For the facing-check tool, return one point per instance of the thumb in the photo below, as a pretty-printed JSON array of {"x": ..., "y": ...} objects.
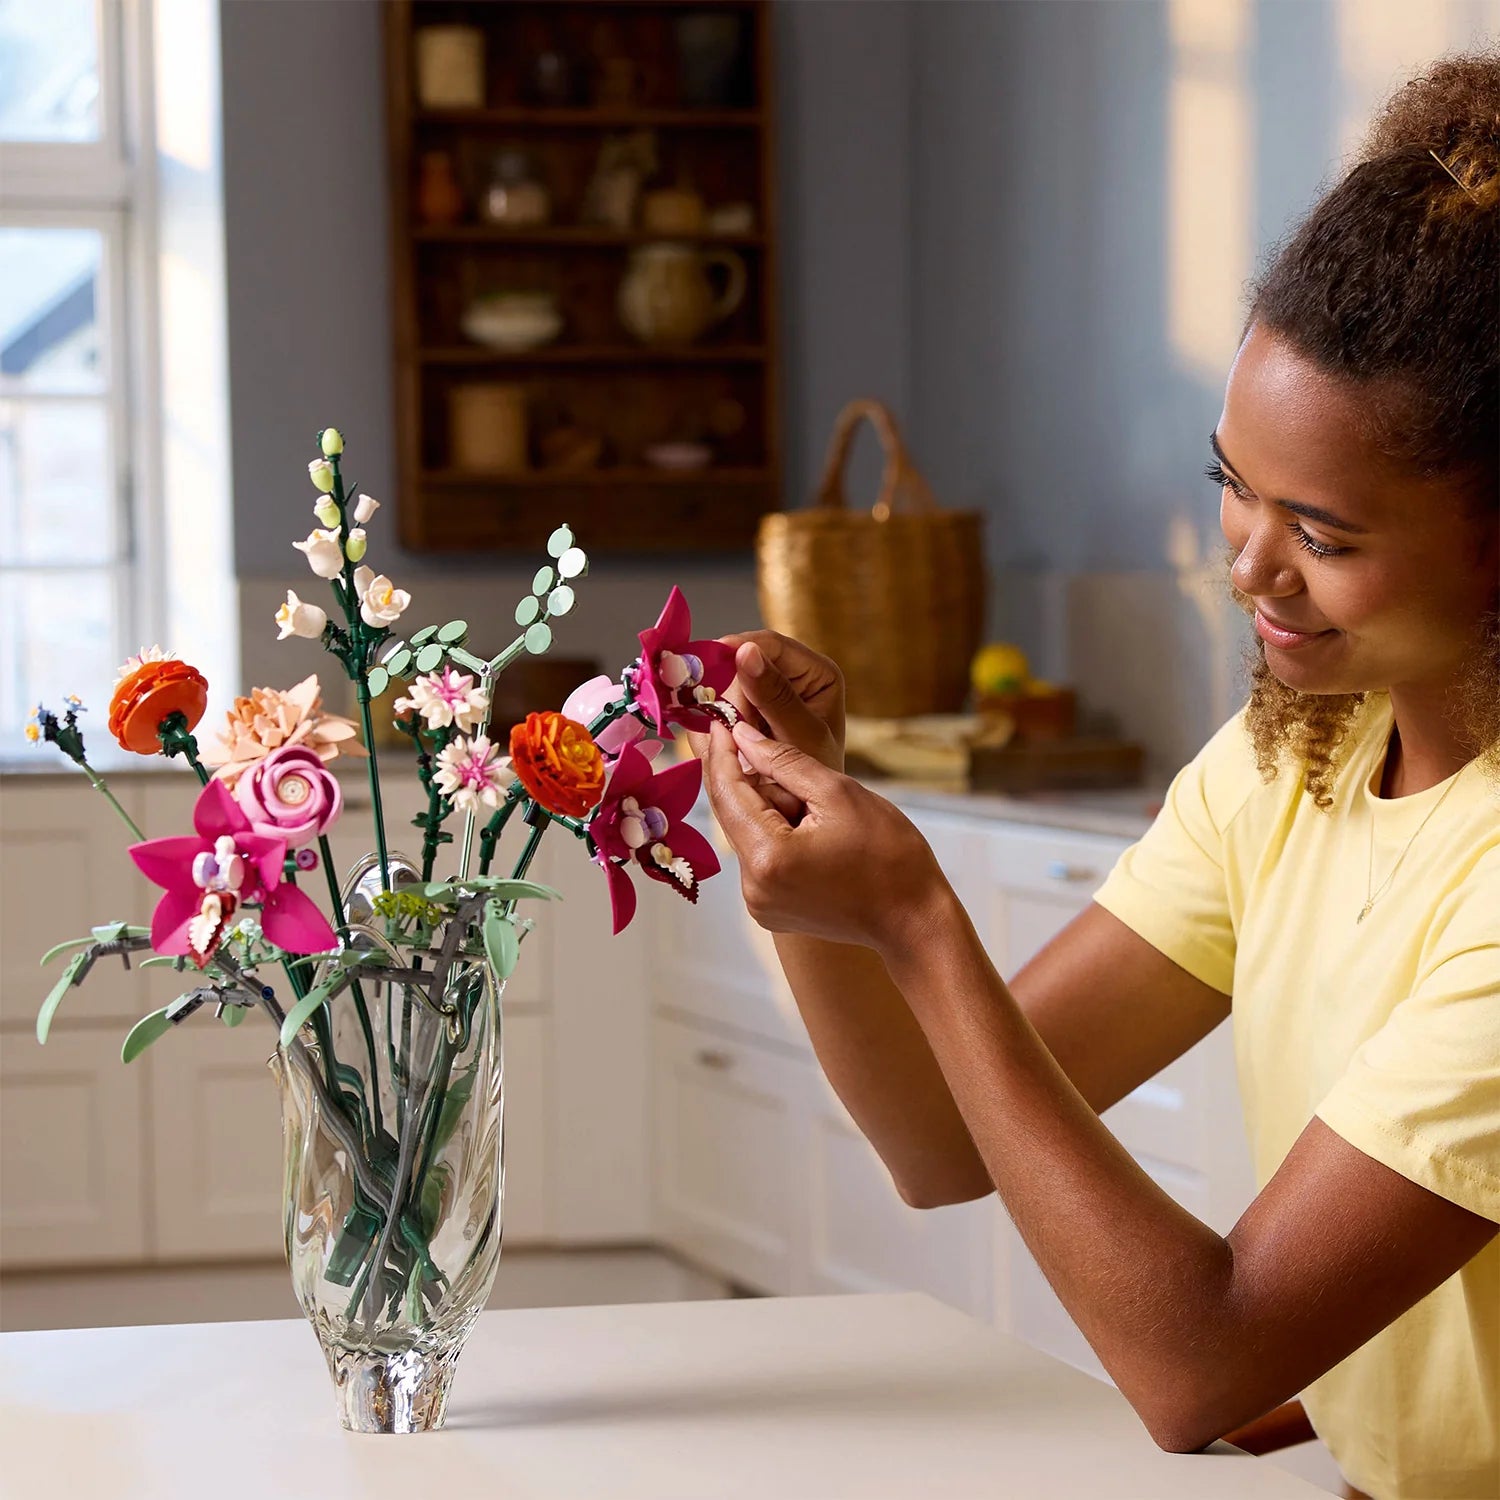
[{"x": 784, "y": 764}]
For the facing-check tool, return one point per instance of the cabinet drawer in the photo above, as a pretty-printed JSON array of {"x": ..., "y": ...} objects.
[
  {"x": 216, "y": 1141},
  {"x": 1053, "y": 862},
  {"x": 714, "y": 961},
  {"x": 72, "y": 1142},
  {"x": 863, "y": 1238},
  {"x": 729, "y": 1189}
]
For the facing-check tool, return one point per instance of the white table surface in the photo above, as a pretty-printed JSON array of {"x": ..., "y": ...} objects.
[{"x": 812, "y": 1398}]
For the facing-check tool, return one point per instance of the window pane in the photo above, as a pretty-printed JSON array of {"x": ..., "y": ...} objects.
[
  {"x": 56, "y": 503},
  {"x": 49, "y": 70},
  {"x": 50, "y": 282},
  {"x": 56, "y": 637}
]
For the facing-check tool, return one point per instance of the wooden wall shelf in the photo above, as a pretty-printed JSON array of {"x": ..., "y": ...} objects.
[{"x": 595, "y": 384}]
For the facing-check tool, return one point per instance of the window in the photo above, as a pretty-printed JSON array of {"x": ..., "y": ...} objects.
[{"x": 73, "y": 296}]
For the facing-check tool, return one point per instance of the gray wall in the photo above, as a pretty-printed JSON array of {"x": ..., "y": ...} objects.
[{"x": 997, "y": 214}]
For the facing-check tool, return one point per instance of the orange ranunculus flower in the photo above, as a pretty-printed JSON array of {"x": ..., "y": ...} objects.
[
  {"x": 152, "y": 688},
  {"x": 558, "y": 763}
]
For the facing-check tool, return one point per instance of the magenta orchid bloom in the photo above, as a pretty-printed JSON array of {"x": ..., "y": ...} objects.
[
  {"x": 208, "y": 875},
  {"x": 678, "y": 680},
  {"x": 643, "y": 820},
  {"x": 589, "y": 699}
]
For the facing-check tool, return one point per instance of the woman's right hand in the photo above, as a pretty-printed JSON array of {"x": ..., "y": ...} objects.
[{"x": 788, "y": 691}]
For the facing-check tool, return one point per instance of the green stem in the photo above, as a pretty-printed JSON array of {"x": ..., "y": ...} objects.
[
  {"x": 97, "y": 782},
  {"x": 177, "y": 739},
  {"x": 489, "y": 835},
  {"x": 362, "y": 690},
  {"x": 361, "y": 1005}
]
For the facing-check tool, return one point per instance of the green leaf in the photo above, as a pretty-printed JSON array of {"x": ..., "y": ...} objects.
[
  {"x": 574, "y": 563},
  {"x": 453, "y": 633},
  {"x": 232, "y": 1015},
  {"x": 178, "y": 961},
  {"x": 298, "y": 1014},
  {"x": 538, "y": 638},
  {"x": 112, "y": 932},
  {"x": 506, "y": 889},
  {"x": 398, "y": 662},
  {"x": 543, "y": 581},
  {"x": 559, "y": 541},
  {"x": 528, "y": 610},
  {"x": 560, "y": 600},
  {"x": 143, "y": 1033},
  {"x": 52, "y": 953},
  {"x": 379, "y": 680},
  {"x": 422, "y": 637},
  {"x": 429, "y": 657},
  {"x": 54, "y": 998},
  {"x": 501, "y": 945}
]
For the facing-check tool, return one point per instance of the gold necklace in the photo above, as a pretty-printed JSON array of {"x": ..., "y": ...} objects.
[{"x": 1372, "y": 897}]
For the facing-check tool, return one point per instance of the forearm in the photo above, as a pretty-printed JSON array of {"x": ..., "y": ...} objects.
[
  {"x": 1151, "y": 1287},
  {"x": 879, "y": 1063}
]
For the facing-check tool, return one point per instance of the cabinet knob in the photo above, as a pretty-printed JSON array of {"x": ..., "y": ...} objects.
[
  {"x": 1074, "y": 874},
  {"x": 711, "y": 1057}
]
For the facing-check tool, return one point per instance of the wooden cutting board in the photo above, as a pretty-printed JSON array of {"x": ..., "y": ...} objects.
[{"x": 1078, "y": 764}]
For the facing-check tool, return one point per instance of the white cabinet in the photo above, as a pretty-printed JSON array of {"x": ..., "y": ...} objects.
[
  {"x": 177, "y": 1156},
  {"x": 730, "y": 1125},
  {"x": 762, "y": 1176},
  {"x": 72, "y": 1144}
]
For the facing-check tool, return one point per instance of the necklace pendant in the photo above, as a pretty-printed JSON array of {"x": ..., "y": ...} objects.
[{"x": 1364, "y": 912}]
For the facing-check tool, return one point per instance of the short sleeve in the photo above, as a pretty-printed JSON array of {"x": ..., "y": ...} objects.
[
  {"x": 1422, "y": 1095},
  {"x": 1172, "y": 887}
]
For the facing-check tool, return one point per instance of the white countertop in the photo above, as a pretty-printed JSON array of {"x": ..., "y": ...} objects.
[{"x": 879, "y": 1398}]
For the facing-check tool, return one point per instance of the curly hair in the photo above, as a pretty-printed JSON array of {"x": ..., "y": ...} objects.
[{"x": 1392, "y": 283}]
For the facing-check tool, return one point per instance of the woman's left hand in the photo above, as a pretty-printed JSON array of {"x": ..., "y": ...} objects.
[{"x": 853, "y": 868}]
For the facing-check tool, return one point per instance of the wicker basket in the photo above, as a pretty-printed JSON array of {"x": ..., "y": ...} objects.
[{"x": 894, "y": 595}]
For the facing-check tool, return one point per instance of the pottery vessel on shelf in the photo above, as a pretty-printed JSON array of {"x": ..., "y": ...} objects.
[
  {"x": 450, "y": 67},
  {"x": 667, "y": 299},
  {"x": 440, "y": 201},
  {"x": 513, "y": 322}
]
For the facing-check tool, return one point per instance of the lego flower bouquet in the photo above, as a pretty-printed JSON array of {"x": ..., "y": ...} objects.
[{"x": 385, "y": 992}]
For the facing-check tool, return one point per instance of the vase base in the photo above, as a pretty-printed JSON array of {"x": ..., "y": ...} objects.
[{"x": 405, "y": 1392}]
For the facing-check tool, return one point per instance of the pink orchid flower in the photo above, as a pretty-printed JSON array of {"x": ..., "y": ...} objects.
[
  {"x": 208, "y": 875},
  {"x": 677, "y": 678},
  {"x": 589, "y": 699},
  {"x": 643, "y": 821}
]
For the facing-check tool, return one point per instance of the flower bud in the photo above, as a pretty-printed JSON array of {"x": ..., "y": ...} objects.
[
  {"x": 331, "y": 441},
  {"x": 364, "y": 508},
  {"x": 354, "y": 546},
  {"x": 320, "y": 471},
  {"x": 327, "y": 511}
]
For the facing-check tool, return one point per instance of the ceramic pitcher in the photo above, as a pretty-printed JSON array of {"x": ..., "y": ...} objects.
[{"x": 667, "y": 298}]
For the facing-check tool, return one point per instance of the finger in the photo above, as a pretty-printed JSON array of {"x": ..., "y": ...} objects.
[
  {"x": 779, "y": 703},
  {"x": 744, "y": 815},
  {"x": 786, "y": 765}
]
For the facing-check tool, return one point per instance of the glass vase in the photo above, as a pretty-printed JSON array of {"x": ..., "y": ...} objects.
[{"x": 393, "y": 1131}]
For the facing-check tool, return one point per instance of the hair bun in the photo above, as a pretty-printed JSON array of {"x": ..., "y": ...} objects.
[{"x": 1451, "y": 109}]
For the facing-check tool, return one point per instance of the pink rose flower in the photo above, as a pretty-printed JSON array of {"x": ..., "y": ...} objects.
[{"x": 289, "y": 795}]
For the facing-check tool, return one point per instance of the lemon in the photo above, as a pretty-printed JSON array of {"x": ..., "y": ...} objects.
[{"x": 999, "y": 668}]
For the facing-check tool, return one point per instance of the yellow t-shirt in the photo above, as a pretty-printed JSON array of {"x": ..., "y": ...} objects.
[{"x": 1388, "y": 1030}]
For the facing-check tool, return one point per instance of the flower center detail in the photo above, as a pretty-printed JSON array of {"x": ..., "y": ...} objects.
[
  {"x": 639, "y": 825},
  {"x": 222, "y": 869},
  {"x": 678, "y": 672},
  {"x": 294, "y": 790}
]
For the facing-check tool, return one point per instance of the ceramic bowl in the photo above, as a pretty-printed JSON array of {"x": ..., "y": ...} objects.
[{"x": 513, "y": 322}]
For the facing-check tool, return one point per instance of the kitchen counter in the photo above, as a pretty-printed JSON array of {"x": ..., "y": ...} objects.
[
  {"x": 1126, "y": 813},
  {"x": 879, "y": 1398}
]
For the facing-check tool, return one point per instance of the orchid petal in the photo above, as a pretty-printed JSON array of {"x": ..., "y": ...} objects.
[
  {"x": 167, "y": 862},
  {"x": 621, "y": 896},
  {"x": 291, "y": 920},
  {"x": 169, "y": 922},
  {"x": 687, "y": 843}
]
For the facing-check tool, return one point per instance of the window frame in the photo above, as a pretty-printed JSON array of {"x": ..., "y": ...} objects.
[{"x": 109, "y": 185}]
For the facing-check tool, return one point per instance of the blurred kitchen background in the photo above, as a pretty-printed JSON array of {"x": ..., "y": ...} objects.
[{"x": 1026, "y": 226}]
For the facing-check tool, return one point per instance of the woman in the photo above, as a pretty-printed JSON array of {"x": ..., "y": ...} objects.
[{"x": 1327, "y": 871}]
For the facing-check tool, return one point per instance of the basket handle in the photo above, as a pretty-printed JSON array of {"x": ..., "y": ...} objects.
[{"x": 901, "y": 486}]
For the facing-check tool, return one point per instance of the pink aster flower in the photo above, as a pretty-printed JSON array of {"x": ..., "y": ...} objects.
[
  {"x": 589, "y": 699},
  {"x": 679, "y": 680},
  {"x": 642, "y": 821},
  {"x": 447, "y": 697},
  {"x": 471, "y": 774},
  {"x": 225, "y": 865}
]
